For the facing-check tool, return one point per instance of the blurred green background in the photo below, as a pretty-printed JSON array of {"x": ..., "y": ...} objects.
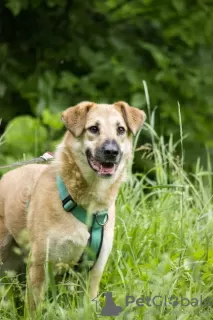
[{"x": 55, "y": 53}]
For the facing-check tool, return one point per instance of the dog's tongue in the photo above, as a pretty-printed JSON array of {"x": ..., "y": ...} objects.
[
  {"x": 107, "y": 170},
  {"x": 103, "y": 169}
]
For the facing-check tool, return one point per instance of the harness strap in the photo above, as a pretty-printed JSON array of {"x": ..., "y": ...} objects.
[{"x": 95, "y": 223}]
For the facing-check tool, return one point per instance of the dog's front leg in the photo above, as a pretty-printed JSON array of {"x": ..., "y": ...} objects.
[
  {"x": 95, "y": 278},
  {"x": 97, "y": 270},
  {"x": 36, "y": 283},
  {"x": 36, "y": 279}
]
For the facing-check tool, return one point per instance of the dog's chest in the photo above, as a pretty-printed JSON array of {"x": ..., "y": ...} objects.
[{"x": 67, "y": 246}]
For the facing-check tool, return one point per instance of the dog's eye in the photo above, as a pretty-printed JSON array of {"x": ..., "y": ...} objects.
[
  {"x": 93, "y": 129},
  {"x": 121, "y": 130}
]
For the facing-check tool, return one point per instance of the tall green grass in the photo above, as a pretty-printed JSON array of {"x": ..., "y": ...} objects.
[{"x": 162, "y": 246}]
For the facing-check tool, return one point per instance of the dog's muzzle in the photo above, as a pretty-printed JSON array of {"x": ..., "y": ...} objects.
[{"x": 106, "y": 158}]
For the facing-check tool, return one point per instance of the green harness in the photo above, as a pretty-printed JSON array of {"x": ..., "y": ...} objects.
[{"x": 95, "y": 223}]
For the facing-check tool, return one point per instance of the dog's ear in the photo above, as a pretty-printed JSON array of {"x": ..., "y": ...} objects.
[
  {"x": 74, "y": 118},
  {"x": 133, "y": 117}
]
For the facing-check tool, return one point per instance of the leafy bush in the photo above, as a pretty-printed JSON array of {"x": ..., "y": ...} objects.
[{"x": 56, "y": 53}]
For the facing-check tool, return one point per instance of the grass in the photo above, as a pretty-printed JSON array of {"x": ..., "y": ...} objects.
[{"x": 162, "y": 247}]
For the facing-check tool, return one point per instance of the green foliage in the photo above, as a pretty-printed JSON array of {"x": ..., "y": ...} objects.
[
  {"x": 55, "y": 53},
  {"x": 25, "y": 134},
  {"x": 53, "y": 120}
]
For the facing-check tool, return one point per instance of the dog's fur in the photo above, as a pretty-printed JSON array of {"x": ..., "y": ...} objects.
[{"x": 54, "y": 233}]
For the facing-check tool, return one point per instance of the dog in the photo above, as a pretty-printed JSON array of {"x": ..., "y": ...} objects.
[{"x": 90, "y": 164}]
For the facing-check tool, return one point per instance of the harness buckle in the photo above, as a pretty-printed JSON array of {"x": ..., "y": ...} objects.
[
  {"x": 68, "y": 204},
  {"x": 99, "y": 222}
]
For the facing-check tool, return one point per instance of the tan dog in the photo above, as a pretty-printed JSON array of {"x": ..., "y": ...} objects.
[{"x": 92, "y": 161}]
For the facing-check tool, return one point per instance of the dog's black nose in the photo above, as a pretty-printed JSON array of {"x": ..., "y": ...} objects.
[{"x": 110, "y": 150}]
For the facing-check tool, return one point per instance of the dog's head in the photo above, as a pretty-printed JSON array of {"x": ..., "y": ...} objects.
[{"x": 101, "y": 135}]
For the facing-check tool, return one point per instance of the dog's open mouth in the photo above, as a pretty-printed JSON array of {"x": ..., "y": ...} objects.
[{"x": 106, "y": 169}]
